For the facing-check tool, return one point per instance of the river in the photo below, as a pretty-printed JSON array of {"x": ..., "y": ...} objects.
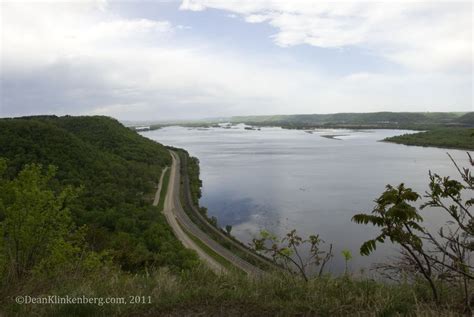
[{"x": 278, "y": 179}]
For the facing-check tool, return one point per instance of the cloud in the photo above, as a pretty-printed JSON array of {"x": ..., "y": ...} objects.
[
  {"x": 428, "y": 36},
  {"x": 256, "y": 18},
  {"x": 84, "y": 58},
  {"x": 191, "y": 5},
  {"x": 38, "y": 33}
]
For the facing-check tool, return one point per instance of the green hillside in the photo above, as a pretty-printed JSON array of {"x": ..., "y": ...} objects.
[
  {"x": 118, "y": 170},
  {"x": 456, "y": 138},
  {"x": 87, "y": 229},
  {"x": 408, "y": 120},
  {"x": 467, "y": 119}
]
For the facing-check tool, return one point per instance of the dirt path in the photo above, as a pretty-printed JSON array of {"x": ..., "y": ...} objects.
[{"x": 160, "y": 184}]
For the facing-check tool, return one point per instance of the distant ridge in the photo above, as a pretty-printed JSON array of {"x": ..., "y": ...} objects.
[
  {"x": 420, "y": 120},
  {"x": 391, "y": 120}
]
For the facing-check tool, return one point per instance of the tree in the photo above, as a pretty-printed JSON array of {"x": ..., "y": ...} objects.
[
  {"x": 399, "y": 222},
  {"x": 287, "y": 251},
  {"x": 213, "y": 221},
  {"x": 36, "y": 221},
  {"x": 454, "y": 243},
  {"x": 228, "y": 229},
  {"x": 444, "y": 256},
  {"x": 117, "y": 169},
  {"x": 347, "y": 257}
]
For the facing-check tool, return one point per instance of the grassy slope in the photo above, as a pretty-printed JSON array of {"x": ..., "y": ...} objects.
[
  {"x": 456, "y": 138},
  {"x": 199, "y": 292},
  {"x": 221, "y": 260}
]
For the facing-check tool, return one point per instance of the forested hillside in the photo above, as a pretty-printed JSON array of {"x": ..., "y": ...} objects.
[
  {"x": 405, "y": 120},
  {"x": 76, "y": 220},
  {"x": 456, "y": 138},
  {"x": 117, "y": 171}
]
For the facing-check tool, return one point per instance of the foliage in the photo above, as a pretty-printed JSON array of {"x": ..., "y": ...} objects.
[
  {"x": 191, "y": 187},
  {"x": 38, "y": 235},
  {"x": 347, "y": 257},
  {"x": 287, "y": 251},
  {"x": 111, "y": 214},
  {"x": 396, "y": 217},
  {"x": 118, "y": 170},
  {"x": 200, "y": 292},
  {"x": 397, "y": 120},
  {"x": 457, "y": 138},
  {"x": 195, "y": 182},
  {"x": 443, "y": 257}
]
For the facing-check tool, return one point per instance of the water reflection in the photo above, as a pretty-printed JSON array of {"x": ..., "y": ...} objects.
[{"x": 283, "y": 179}]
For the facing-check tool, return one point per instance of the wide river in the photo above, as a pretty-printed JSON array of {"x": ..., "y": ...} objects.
[{"x": 278, "y": 180}]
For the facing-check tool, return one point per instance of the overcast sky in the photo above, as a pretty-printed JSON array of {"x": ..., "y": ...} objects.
[{"x": 161, "y": 60}]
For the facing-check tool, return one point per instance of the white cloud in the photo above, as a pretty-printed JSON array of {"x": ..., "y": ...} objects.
[
  {"x": 256, "y": 18},
  {"x": 430, "y": 35},
  {"x": 123, "y": 28},
  {"x": 80, "y": 57},
  {"x": 191, "y": 5},
  {"x": 38, "y": 33}
]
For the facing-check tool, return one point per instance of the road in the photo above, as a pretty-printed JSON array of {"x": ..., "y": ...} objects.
[
  {"x": 169, "y": 208},
  {"x": 178, "y": 219},
  {"x": 160, "y": 184},
  {"x": 189, "y": 204}
]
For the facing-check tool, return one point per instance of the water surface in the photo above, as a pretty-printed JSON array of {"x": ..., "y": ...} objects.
[{"x": 278, "y": 179}]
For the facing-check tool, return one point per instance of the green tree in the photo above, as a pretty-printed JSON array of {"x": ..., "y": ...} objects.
[
  {"x": 399, "y": 222},
  {"x": 287, "y": 251},
  {"x": 347, "y": 257},
  {"x": 444, "y": 256},
  {"x": 36, "y": 222},
  {"x": 213, "y": 221}
]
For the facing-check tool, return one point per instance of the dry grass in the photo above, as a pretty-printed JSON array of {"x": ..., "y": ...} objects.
[{"x": 201, "y": 293}]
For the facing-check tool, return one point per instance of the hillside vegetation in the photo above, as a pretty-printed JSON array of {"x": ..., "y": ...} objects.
[
  {"x": 117, "y": 170},
  {"x": 438, "y": 121},
  {"x": 445, "y": 129},
  {"x": 76, "y": 220},
  {"x": 394, "y": 120},
  {"x": 456, "y": 138}
]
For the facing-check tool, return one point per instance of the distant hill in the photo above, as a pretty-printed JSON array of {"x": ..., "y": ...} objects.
[
  {"x": 467, "y": 119},
  {"x": 119, "y": 170},
  {"x": 411, "y": 120}
]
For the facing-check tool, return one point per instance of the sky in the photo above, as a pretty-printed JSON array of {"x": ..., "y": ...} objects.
[{"x": 190, "y": 59}]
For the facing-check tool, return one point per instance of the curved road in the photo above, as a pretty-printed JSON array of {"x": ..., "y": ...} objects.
[
  {"x": 177, "y": 219},
  {"x": 168, "y": 208},
  {"x": 189, "y": 204}
]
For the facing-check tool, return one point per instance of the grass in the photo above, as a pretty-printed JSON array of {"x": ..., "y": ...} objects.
[
  {"x": 164, "y": 189},
  {"x": 249, "y": 256},
  {"x": 220, "y": 259},
  {"x": 201, "y": 292}
]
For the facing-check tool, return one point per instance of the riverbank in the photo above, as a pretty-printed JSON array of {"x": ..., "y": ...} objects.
[
  {"x": 191, "y": 192},
  {"x": 118, "y": 251},
  {"x": 449, "y": 138}
]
